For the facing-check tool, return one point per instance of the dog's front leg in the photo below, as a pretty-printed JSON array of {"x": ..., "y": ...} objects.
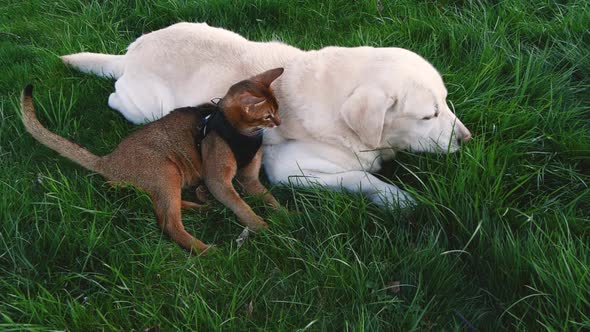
[
  {"x": 306, "y": 164},
  {"x": 379, "y": 192}
]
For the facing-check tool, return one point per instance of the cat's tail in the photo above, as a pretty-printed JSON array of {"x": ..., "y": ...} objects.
[
  {"x": 55, "y": 142},
  {"x": 105, "y": 65}
]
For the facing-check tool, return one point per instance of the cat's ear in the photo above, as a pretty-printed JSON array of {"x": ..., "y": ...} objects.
[
  {"x": 248, "y": 100},
  {"x": 268, "y": 76}
]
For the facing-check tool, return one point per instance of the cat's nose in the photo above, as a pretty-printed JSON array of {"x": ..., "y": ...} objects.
[{"x": 276, "y": 120}]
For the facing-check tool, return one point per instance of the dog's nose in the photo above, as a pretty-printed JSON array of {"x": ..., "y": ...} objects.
[{"x": 464, "y": 135}]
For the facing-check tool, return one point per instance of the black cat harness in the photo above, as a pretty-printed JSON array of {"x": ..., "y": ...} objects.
[{"x": 243, "y": 147}]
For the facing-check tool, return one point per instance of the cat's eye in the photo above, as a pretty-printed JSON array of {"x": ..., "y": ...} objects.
[{"x": 268, "y": 117}]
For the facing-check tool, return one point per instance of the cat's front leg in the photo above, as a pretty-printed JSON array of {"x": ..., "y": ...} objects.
[
  {"x": 224, "y": 192},
  {"x": 219, "y": 171},
  {"x": 249, "y": 179}
]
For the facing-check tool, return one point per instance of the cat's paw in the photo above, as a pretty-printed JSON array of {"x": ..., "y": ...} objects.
[
  {"x": 284, "y": 210},
  {"x": 211, "y": 249},
  {"x": 202, "y": 193},
  {"x": 256, "y": 223},
  {"x": 192, "y": 205},
  {"x": 272, "y": 202},
  {"x": 200, "y": 248}
]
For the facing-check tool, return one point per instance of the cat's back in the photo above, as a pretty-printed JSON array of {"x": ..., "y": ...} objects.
[
  {"x": 186, "y": 118},
  {"x": 178, "y": 129}
]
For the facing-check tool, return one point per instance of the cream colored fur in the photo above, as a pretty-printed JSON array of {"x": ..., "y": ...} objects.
[{"x": 344, "y": 110}]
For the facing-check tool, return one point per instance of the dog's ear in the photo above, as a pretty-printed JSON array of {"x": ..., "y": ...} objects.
[
  {"x": 364, "y": 112},
  {"x": 268, "y": 76}
]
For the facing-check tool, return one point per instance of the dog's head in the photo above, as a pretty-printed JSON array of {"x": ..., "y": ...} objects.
[{"x": 404, "y": 107}]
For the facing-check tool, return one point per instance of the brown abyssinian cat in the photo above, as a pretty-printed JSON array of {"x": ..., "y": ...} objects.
[{"x": 186, "y": 148}]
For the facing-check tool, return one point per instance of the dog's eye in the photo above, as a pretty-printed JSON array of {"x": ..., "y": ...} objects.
[{"x": 430, "y": 117}]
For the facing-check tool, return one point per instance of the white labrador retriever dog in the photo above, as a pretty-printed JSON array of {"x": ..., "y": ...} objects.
[{"x": 344, "y": 110}]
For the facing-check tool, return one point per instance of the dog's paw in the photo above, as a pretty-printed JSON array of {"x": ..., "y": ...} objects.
[{"x": 392, "y": 197}]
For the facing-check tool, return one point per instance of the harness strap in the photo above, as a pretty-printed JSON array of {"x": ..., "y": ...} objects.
[{"x": 243, "y": 147}]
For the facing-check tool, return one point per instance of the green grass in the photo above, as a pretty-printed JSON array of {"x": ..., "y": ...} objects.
[{"x": 500, "y": 240}]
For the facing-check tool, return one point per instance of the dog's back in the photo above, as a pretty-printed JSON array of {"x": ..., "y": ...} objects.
[{"x": 183, "y": 64}]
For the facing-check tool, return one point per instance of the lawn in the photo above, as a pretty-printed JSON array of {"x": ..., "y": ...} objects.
[{"x": 500, "y": 239}]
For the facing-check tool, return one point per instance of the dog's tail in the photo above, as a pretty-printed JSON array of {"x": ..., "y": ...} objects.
[
  {"x": 55, "y": 142},
  {"x": 105, "y": 65}
]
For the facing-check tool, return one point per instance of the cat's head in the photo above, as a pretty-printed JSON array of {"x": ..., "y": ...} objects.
[{"x": 250, "y": 105}]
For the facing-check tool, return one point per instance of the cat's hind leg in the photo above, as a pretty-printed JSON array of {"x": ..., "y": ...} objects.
[{"x": 167, "y": 205}]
